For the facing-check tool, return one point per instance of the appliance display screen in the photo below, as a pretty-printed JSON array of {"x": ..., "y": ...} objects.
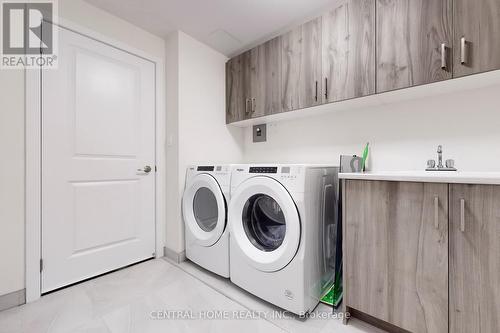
[
  {"x": 263, "y": 170},
  {"x": 205, "y": 168}
]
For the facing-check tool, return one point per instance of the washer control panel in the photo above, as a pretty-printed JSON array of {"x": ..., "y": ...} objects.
[{"x": 263, "y": 170}]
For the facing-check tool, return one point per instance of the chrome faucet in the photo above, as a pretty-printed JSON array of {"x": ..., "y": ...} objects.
[
  {"x": 440, "y": 157},
  {"x": 450, "y": 164}
]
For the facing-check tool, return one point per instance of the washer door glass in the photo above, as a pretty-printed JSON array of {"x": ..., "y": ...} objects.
[
  {"x": 264, "y": 222},
  {"x": 205, "y": 208}
]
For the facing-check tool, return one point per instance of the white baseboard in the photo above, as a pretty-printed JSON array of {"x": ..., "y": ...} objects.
[
  {"x": 174, "y": 256},
  {"x": 13, "y": 299}
]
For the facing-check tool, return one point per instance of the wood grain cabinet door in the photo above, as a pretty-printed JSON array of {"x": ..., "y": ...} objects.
[
  {"x": 266, "y": 81},
  {"x": 414, "y": 42},
  {"x": 348, "y": 50},
  {"x": 238, "y": 88},
  {"x": 301, "y": 61},
  {"x": 235, "y": 105},
  {"x": 477, "y": 36},
  {"x": 474, "y": 258},
  {"x": 396, "y": 252}
]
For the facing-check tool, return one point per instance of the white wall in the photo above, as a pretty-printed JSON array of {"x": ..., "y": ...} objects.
[
  {"x": 201, "y": 135},
  {"x": 403, "y": 136},
  {"x": 11, "y": 181},
  {"x": 12, "y": 134},
  {"x": 98, "y": 20}
]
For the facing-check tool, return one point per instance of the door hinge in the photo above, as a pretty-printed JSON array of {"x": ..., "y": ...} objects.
[{"x": 41, "y": 265}]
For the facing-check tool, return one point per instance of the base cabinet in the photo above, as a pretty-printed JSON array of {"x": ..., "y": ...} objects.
[
  {"x": 474, "y": 258},
  {"x": 423, "y": 257},
  {"x": 396, "y": 258}
]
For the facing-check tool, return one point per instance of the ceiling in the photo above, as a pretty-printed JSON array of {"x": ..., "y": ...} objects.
[{"x": 229, "y": 26}]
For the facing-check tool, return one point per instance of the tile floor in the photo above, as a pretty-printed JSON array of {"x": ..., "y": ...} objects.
[{"x": 126, "y": 301}]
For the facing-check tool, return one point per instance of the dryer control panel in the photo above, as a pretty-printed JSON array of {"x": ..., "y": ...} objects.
[
  {"x": 205, "y": 168},
  {"x": 211, "y": 168}
]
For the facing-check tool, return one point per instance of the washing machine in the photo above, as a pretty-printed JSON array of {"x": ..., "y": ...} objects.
[
  {"x": 283, "y": 221},
  {"x": 204, "y": 208}
]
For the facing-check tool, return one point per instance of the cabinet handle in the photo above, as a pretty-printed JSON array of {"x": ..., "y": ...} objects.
[
  {"x": 444, "y": 63},
  {"x": 464, "y": 51},
  {"x": 253, "y": 105},
  {"x": 316, "y": 94},
  {"x": 462, "y": 215},
  {"x": 246, "y": 105},
  {"x": 436, "y": 212},
  {"x": 326, "y": 89}
]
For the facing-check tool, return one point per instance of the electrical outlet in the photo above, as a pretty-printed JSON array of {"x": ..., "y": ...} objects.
[{"x": 260, "y": 133}]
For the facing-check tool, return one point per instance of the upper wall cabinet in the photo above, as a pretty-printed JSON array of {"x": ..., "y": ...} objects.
[
  {"x": 348, "y": 49},
  {"x": 363, "y": 47},
  {"x": 414, "y": 42},
  {"x": 237, "y": 87},
  {"x": 266, "y": 78},
  {"x": 477, "y": 36},
  {"x": 301, "y": 71},
  {"x": 253, "y": 82}
]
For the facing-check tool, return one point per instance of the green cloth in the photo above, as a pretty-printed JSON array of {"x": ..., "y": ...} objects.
[{"x": 334, "y": 295}]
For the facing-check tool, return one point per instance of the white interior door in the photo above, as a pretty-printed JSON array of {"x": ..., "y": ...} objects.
[{"x": 98, "y": 130}]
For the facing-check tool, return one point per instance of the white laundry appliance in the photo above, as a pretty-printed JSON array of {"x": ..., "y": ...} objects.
[
  {"x": 283, "y": 221},
  {"x": 204, "y": 208}
]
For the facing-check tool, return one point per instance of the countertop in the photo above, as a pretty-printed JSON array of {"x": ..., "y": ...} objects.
[{"x": 455, "y": 177}]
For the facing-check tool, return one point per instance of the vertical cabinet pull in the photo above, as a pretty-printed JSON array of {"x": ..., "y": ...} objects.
[
  {"x": 462, "y": 215},
  {"x": 436, "y": 212},
  {"x": 316, "y": 94},
  {"x": 326, "y": 89},
  {"x": 464, "y": 52},
  {"x": 444, "y": 60},
  {"x": 253, "y": 105},
  {"x": 246, "y": 105}
]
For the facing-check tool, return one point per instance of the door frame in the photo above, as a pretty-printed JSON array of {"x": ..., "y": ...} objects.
[{"x": 33, "y": 161}]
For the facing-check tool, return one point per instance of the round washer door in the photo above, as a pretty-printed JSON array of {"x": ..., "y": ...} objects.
[
  {"x": 204, "y": 209},
  {"x": 265, "y": 223}
]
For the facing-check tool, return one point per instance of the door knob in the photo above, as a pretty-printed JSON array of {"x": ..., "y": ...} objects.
[{"x": 147, "y": 169}]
